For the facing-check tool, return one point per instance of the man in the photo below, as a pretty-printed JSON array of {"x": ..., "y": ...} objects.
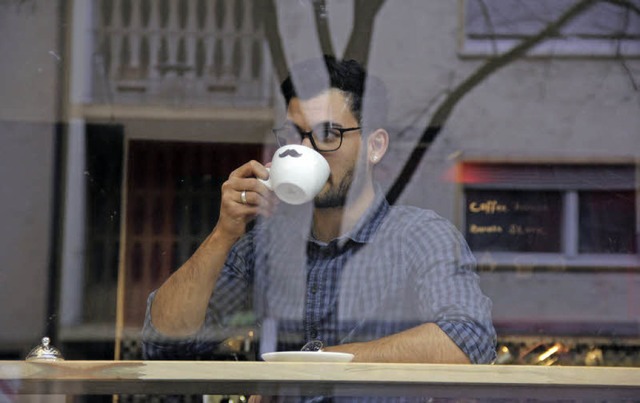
[{"x": 388, "y": 284}]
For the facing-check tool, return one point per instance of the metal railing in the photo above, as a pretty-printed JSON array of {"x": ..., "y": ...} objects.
[{"x": 179, "y": 53}]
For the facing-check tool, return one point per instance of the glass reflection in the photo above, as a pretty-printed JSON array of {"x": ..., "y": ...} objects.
[{"x": 121, "y": 120}]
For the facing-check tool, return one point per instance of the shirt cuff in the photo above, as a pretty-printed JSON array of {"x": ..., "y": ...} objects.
[{"x": 477, "y": 342}]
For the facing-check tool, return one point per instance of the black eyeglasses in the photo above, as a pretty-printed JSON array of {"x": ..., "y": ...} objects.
[{"x": 324, "y": 137}]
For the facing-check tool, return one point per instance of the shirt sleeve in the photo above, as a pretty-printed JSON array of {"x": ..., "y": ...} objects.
[
  {"x": 449, "y": 288},
  {"x": 231, "y": 296}
]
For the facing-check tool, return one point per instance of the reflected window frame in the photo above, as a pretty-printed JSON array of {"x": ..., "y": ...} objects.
[{"x": 572, "y": 180}]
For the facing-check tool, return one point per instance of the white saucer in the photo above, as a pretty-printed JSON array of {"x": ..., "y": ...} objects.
[{"x": 307, "y": 356}]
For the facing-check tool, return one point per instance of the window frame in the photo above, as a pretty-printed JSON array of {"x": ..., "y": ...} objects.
[
  {"x": 572, "y": 47},
  {"x": 569, "y": 256}
]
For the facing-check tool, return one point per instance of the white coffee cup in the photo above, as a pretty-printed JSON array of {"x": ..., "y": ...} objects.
[{"x": 297, "y": 173}]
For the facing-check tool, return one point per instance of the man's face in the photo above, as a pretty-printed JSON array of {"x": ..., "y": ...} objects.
[{"x": 330, "y": 107}]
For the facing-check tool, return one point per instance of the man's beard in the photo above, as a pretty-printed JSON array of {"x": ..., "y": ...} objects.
[{"x": 336, "y": 196}]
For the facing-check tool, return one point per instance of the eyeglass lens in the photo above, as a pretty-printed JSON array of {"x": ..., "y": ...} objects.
[{"x": 325, "y": 137}]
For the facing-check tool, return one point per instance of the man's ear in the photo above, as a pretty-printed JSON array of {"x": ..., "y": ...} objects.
[{"x": 377, "y": 144}]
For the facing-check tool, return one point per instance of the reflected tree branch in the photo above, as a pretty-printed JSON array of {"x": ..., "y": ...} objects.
[
  {"x": 492, "y": 64},
  {"x": 628, "y": 72},
  {"x": 358, "y": 46},
  {"x": 274, "y": 40},
  {"x": 322, "y": 27},
  {"x": 620, "y": 54},
  {"x": 364, "y": 15},
  {"x": 625, "y": 4},
  {"x": 487, "y": 17}
]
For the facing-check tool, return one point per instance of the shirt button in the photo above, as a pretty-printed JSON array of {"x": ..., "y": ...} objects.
[
  {"x": 314, "y": 289},
  {"x": 313, "y": 332}
]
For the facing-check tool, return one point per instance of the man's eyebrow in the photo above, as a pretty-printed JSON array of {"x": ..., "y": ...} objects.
[{"x": 319, "y": 124}]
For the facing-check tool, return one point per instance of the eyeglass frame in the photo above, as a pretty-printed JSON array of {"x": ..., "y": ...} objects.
[{"x": 309, "y": 135}]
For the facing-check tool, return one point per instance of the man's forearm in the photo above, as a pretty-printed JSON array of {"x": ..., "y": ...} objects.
[
  {"x": 180, "y": 305},
  {"x": 426, "y": 343}
]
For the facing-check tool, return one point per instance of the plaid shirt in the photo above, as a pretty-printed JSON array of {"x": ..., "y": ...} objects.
[{"x": 398, "y": 268}]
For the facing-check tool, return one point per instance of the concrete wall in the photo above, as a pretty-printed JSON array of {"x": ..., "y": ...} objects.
[{"x": 28, "y": 101}]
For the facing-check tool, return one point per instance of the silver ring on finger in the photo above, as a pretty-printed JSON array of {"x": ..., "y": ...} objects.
[{"x": 243, "y": 197}]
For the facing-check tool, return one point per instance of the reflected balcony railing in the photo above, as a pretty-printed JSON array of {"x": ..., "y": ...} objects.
[{"x": 179, "y": 53}]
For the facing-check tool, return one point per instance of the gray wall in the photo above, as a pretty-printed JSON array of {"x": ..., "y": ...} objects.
[{"x": 28, "y": 101}]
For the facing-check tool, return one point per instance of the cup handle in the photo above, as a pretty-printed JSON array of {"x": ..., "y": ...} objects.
[{"x": 267, "y": 182}]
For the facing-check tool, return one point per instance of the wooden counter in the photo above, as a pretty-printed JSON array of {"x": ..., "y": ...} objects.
[{"x": 337, "y": 379}]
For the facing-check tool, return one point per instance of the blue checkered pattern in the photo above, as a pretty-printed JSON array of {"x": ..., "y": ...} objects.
[{"x": 398, "y": 268}]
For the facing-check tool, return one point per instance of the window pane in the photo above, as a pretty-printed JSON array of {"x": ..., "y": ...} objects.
[
  {"x": 515, "y": 18},
  {"x": 513, "y": 221},
  {"x": 510, "y": 17},
  {"x": 607, "y": 222}
]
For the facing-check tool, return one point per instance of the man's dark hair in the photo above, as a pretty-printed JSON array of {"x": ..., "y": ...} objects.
[{"x": 311, "y": 77}]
